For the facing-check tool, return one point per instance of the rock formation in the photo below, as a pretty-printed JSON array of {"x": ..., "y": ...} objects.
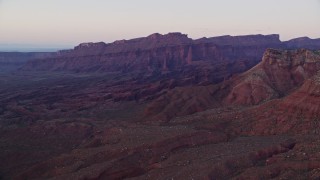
[
  {"x": 282, "y": 86},
  {"x": 157, "y": 52},
  {"x": 165, "y": 107},
  {"x": 209, "y": 59},
  {"x": 279, "y": 73}
]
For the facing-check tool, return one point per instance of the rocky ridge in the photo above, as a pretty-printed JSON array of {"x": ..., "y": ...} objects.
[
  {"x": 279, "y": 73},
  {"x": 157, "y": 53},
  {"x": 165, "y": 52},
  {"x": 282, "y": 88}
]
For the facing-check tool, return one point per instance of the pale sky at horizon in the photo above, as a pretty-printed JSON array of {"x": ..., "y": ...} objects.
[{"x": 65, "y": 23}]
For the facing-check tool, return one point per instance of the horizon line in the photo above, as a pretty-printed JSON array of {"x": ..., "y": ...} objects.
[{"x": 47, "y": 47}]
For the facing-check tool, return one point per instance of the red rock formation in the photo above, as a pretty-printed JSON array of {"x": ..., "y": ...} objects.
[
  {"x": 157, "y": 52},
  {"x": 83, "y": 127},
  {"x": 204, "y": 60},
  {"x": 92, "y": 126},
  {"x": 296, "y": 113},
  {"x": 279, "y": 73},
  {"x": 290, "y": 75}
]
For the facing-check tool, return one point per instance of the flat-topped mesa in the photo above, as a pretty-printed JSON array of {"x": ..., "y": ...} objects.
[
  {"x": 152, "y": 41},
  {"x": 304, "y": 42},
  {"x": 248, "y": 40},
  {"x": 90, "y": 45},
  {"x": 168, "y": 52},
  {"x": 174, "y": 38},
  {"x": 300, "y": 39},
  {"x": 156, "y": 40},
  {"x": 171, "y": 34},
  {"x": 121, "y": 46}
]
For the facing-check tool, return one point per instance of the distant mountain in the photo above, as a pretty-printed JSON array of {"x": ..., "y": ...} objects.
[
  {"x": 303, "y": 42},
  {"x": 14, "y": 60},
  {"x": 247, "y": 40},
  {"x": 164, "y": 52}
]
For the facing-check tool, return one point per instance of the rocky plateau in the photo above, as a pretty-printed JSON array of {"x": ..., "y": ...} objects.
[{"x": 164, "y": 107}]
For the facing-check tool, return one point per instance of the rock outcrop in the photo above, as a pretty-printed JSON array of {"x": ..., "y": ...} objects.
[
  {"x": 279, "y": 73},
  {"x": 284, "y": 81}
]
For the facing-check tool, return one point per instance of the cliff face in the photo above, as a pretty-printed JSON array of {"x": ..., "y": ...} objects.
[
  {"x": 282, "y": 88},
  {"x": 297, "y": 111},
  {"x": 174, "y": 55},
  {"x": 304, "y": 42},
  {"x": 156, "y": 53},
  {"x": 279, "y": 73},
  {"x": 170, "y": 52}
]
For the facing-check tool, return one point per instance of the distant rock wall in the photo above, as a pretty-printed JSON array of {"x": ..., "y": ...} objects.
[
  {"x": 156, "y": 52},
  {"x": 210, "y": 59}
]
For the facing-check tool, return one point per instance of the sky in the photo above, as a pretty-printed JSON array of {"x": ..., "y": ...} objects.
[{"x": 59, "y": 24}]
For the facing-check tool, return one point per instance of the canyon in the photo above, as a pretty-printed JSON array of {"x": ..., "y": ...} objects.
[{"x": 164, "y": 107}]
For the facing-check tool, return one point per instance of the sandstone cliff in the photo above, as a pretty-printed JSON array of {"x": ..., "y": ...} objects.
[
  {"x": 279, "y": 73},
  {"x": 204, "y": 60},
  {"x": 284, "y": 81},
  {"x": 157, "y": 53}
]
